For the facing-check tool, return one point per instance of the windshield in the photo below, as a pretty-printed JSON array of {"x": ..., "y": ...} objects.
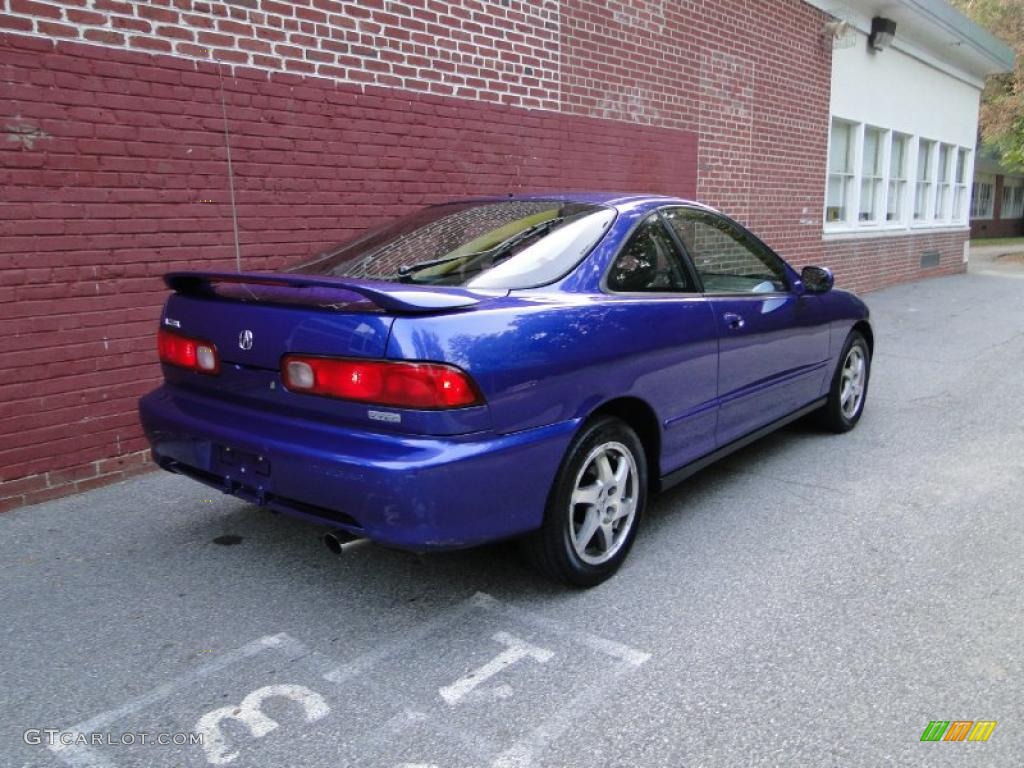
[{"x": 503, "y": 244}]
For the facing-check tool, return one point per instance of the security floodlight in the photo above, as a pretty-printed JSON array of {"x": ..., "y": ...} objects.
[{"x": 882, "y": 32}]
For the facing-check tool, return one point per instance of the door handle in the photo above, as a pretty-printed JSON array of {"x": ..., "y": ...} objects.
[{"x": 734, "y": 321}]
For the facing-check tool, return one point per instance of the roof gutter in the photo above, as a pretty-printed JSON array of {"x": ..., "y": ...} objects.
[
  {"x": 955, "y": 23},
  {"x": 940, "y": 14}
]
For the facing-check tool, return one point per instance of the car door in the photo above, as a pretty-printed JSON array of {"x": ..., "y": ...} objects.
[
  {"x": 672, "y": 341},
  {"x": 773, "y": 340}
]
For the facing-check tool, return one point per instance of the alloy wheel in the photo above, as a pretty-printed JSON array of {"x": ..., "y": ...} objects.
[
  {"x": 604, "y": 503},
  {"x": 853, "y": 378}
]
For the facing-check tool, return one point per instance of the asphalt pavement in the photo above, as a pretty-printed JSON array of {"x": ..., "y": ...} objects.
[{"x": 814, "y": 600}]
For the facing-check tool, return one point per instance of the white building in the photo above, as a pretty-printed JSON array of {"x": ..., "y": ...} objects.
[{"x": 907, "y": 77}]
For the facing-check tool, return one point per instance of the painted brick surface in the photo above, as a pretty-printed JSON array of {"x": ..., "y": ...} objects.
[
  {"x": 116, "y": 174},
  {"x": 341, "y": 114}
]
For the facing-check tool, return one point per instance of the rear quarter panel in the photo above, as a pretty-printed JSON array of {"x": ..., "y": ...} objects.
[{"x": 550, "y": 359}]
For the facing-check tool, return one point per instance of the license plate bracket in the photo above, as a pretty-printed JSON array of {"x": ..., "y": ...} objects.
[{"x": 241, "y": 464}]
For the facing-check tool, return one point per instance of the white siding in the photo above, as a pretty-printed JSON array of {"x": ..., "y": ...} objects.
[
  {"x": 936, "y": 112},
  {"x": 893, "y": 90}
]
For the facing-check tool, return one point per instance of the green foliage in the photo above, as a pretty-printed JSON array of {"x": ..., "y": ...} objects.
[{"x": 1002, "y": 104}]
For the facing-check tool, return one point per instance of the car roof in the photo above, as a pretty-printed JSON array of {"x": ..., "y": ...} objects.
[{"x": 619, "y": 200}]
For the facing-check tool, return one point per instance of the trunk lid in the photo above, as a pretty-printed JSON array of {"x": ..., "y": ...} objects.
[{"x": 255, "y": 318}]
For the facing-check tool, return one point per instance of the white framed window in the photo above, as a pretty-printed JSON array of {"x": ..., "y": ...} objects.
[
  {"x": 983, "y": 197},
  {"x": 872, "y": 180},
  {"x": 1013, "y": 198},
  {"x": 925, "y": 180},
  {"x": 885, "y": 180},
  {"x": 960, "y": 185},
  {"x": 944, "y": 185},
  {"x": 840, "y": 172},
  {"x": 896, "y": 201}
]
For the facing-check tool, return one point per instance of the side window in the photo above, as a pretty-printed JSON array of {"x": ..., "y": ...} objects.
[
  {"x": 727, "y": 260},
  {"x": 649, "y": 262}
]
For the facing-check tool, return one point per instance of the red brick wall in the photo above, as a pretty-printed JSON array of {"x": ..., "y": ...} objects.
[
  {"x": 982, "y": 228},
  {"x": 758, "y": 100},
  {"x": 115, "y": 172},
  {"x": 113, "y": 167}
]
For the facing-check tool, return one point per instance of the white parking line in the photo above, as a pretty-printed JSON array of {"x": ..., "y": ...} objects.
[
  {"x": 409, "y": 638},
  {"x": 519, "y": 754},
  {"x": 522, "y": 753},
  {"x": 250, "y": 714},
  {"x": 630, "y": 655},
  {"x": 84, "y": 757},
  {"x": 515, "y": 650},
  {"x": 476, "y": 749}
]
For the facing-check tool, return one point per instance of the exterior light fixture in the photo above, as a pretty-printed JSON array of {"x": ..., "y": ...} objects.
[{"x": 882, "y": 32}]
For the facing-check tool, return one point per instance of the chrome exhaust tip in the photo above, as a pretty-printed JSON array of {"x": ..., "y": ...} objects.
[{"x": 338, "y": 541}]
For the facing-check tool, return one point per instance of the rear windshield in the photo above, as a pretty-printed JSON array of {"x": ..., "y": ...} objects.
[{"x": 504, "y": 244}]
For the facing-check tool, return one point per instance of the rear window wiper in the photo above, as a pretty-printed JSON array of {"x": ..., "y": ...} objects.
[
  {"x": 406, "y": 269},
  {"x": 498, "y": 250}
]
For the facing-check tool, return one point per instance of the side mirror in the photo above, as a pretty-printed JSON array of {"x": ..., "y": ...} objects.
[{"x": 817, "y": 279}]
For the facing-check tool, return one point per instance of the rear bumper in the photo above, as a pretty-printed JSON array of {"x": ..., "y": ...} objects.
[{"x": 409, "y": 492}]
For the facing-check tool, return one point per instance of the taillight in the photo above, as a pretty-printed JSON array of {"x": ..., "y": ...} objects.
[
  {"x": 193, "y": 354},
  {"x": 403, "y": 385}
]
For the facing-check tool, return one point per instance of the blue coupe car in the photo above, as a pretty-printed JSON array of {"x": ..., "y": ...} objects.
[{"x": 527, "y": 367}]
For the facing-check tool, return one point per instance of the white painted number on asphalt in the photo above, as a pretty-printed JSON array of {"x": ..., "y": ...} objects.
[
  {"x": 516, "y": 650},
  {"x": 251, "y": 716}
]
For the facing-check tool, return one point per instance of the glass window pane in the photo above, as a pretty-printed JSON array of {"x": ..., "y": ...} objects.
[
  {"x": 872, "y": 152},
  {"x": 961, "y": 166},
  {"x": 727, "y": 259},
  {"x": 894, "y": 207},
  {"x": 982, "y": 200},
  {"x": 1013, "y": 199},
  {"x": 921, "y": 201},
  {"x": 649, "y": 263},
  {"x": 897, "y": 165},
  {"x": 870, "y": 199},
  {"x": 838, "y": 192},
  {"x": 507, "y": 244},
  {"x": 840, "y": 160},
  {"x": 924, "y": 160}
]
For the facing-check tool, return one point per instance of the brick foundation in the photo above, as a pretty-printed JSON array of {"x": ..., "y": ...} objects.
[{"x": 867, "y": 264}]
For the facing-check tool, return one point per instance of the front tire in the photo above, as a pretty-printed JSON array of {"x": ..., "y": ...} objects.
[
  {"x": 594, "y": 507},
  {"x": 849, "y": 390}
]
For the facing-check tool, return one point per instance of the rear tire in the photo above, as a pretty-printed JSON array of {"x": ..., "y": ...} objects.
[
  {"x": 849, "y": 390},
  {"x": 594, "y": 507}
]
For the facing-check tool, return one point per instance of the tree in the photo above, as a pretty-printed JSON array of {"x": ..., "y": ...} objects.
[{"x": 1002, "y": 103}]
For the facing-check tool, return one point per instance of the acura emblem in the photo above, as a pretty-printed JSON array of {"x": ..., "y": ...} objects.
[{"x": 245, "y": 340}]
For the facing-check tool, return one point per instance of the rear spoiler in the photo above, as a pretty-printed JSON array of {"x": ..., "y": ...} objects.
[{"x": 391, "y": 297}]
